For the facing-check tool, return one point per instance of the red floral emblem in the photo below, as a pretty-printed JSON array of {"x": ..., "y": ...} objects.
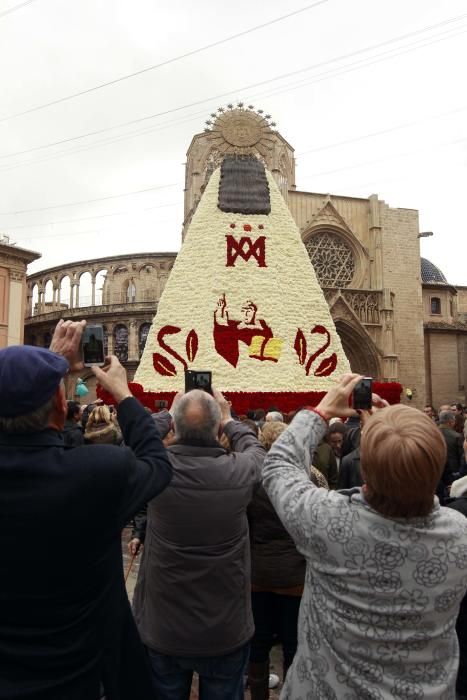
[
  {"x": 161, "y": 363},
  {"x": 246, "y": 227},
  {"x": 327, "y": 365}
]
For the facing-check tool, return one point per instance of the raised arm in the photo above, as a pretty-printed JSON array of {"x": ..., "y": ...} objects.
[
  {"x": 285, "y": 475},
  {"x": 147, "y": 465}
]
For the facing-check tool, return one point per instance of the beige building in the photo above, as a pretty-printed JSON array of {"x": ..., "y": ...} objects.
[
  {"x": 13, "y": 266},
  {"x": 367, "y": 258},
  {"x": 445, "y": 323}
]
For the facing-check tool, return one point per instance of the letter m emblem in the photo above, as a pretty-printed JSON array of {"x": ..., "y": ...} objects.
[{"x": 246, "y": 248}]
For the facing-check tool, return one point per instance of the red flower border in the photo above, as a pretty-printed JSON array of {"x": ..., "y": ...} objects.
[{"x": 243, "y": 401}]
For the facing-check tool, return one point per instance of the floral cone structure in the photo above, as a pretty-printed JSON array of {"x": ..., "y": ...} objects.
[{"x": 243, "y": 302}]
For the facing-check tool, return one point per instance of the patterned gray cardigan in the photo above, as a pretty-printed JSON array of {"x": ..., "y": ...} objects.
[{"x": 377, "y": 618}]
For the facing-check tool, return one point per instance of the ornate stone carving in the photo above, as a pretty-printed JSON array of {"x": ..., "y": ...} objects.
[
  {"x": 332, "y": 259},
  {"x": 364, "y": 304},
  {"x": 241, "y": 131}
]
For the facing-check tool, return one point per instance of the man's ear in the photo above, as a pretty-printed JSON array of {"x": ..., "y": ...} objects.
[{"x": 60, "y": 402}]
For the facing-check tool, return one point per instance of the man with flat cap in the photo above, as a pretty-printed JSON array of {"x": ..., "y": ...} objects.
[{"x": 66, "y": 630}]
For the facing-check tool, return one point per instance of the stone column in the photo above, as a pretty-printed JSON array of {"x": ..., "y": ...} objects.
[
  {"x": 110, "y": 338},
  {"x": 93, "y": 291},
  {"x": 376, "y": 263},
  {"x": 390, "y": 358},
  {"x": 133, "y": 341}
]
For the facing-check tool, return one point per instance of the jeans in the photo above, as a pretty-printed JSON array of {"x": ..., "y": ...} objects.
[
  {"x": 220, "y": 677},
  {"x": 274, "y": 615}
]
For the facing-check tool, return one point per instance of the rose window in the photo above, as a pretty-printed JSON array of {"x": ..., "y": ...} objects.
[{"x": 332, "y": 259}]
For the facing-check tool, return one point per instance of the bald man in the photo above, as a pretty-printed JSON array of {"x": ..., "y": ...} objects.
[{"x": 192, "y": 600}]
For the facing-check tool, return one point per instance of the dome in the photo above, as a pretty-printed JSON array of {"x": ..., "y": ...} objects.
[{"x": 430, "y": 273}]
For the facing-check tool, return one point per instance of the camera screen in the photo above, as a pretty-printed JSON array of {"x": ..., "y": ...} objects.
[{"x": 93, "y": 345}]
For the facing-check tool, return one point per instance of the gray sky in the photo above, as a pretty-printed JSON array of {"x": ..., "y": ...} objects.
[{"x": 382, "y": 108}]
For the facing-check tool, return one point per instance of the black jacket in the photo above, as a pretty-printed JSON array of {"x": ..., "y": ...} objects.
[
  {"x": 455, "y": 451},
  {"x": 350, "y": 474},
  {"x": 73, "y": 435},
  {"x": 65, "y": 620}
]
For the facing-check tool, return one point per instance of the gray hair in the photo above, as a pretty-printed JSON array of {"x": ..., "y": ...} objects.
[
  {"x": 203, "y": 423},
  {"x": 33, "y": 422},
  {"x": 275, "y": 416},
  {"x": 446, "y": 416}
]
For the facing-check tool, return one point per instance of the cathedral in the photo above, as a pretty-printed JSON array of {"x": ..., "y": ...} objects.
[{"x": 397, "y": 317}]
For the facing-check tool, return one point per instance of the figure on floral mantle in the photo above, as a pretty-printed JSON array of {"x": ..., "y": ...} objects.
[{"x": 256, "y": 334}]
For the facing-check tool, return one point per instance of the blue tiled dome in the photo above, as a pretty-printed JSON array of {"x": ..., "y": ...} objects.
[{"x": 430, "y": 273}]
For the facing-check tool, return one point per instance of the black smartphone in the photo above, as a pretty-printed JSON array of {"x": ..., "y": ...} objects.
[
  {"x": 362, "y": 394},
  {"x": 92, "y": 344},
  {"x": 198, "y": 380}
]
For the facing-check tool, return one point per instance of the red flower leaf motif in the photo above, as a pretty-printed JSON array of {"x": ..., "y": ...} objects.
[
  {"x": 300, "y": 346},
  {"x": 246, "y": 227},
  {"x": 232, "y": 225},
  {"x": 327, "y": 366},
  {"x": 191, "y": 345},
  {"x": 163, "y": 366},
  {"x": 319, "y": 329},
  {"x": 167, "y": 330}
]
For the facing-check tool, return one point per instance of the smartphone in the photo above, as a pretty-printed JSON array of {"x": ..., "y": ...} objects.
[
  {"x": 362, "y": 394},
  {"x": 92, "y": 344},
  {"x": 198, "y": 380}
]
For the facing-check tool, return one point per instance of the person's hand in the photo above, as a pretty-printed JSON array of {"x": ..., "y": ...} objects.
[
  {"x": 378, "y": 404},
  {"x": 113, "y": 378},
  {"x": 134, "y": 546},
  {"x": 336, "y": 402},
  {"x": 66, "y": 341},
  {"x": 224, "y": 405},
  {"x": 175, "y": 401}
]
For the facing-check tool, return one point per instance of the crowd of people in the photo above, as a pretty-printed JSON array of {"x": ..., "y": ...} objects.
[{"x": 339, "y": 535}]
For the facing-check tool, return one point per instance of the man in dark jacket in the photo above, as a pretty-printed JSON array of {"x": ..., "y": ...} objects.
[
  {"x": 73, "y": 435},
  {"x": 66, "y": 631},
  {"x": 192, "y": 601},
  {"x": 454, "y": 444}
]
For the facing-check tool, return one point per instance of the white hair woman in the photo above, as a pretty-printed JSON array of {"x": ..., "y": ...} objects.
[{"x": 386, "y": 565}]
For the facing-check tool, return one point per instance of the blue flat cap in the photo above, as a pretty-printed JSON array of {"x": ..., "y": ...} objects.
[{"x": 29, "y": 377}]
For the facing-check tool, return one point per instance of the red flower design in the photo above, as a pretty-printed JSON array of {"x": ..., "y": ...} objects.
[
  {"x": 246, "y": 227},
  {"x": 232, "y": 225}
]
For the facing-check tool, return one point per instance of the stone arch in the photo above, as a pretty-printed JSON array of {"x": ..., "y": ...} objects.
[
  {"x": 99, "y": 286},
  {"x": 49, "y": 296},
  {"x": 35, "y": 300},
  {"x": 143, "y": 333},
  {"x": 85, "y": 289},
  {"x": 64, "y": 290},
  {"x": 361, "y": 352},
  {"x": 121, "y": 341},
  {"x": 129, "y": 291}
]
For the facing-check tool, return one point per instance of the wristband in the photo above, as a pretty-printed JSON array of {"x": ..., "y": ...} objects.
[{"x": 318, "y": 413}]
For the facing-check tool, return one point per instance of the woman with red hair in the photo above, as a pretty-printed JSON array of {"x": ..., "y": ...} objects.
[{"x": 386, "y": 566}]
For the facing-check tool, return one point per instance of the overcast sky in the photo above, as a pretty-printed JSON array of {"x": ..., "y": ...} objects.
[{"x": 373, "y": 100}]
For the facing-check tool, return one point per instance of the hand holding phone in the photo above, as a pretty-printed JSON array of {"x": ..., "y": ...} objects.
[
  {"x": 362, "y": 396},
  {"x": 198, "y": 380},
  {"x": 92, "y": 343}
]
